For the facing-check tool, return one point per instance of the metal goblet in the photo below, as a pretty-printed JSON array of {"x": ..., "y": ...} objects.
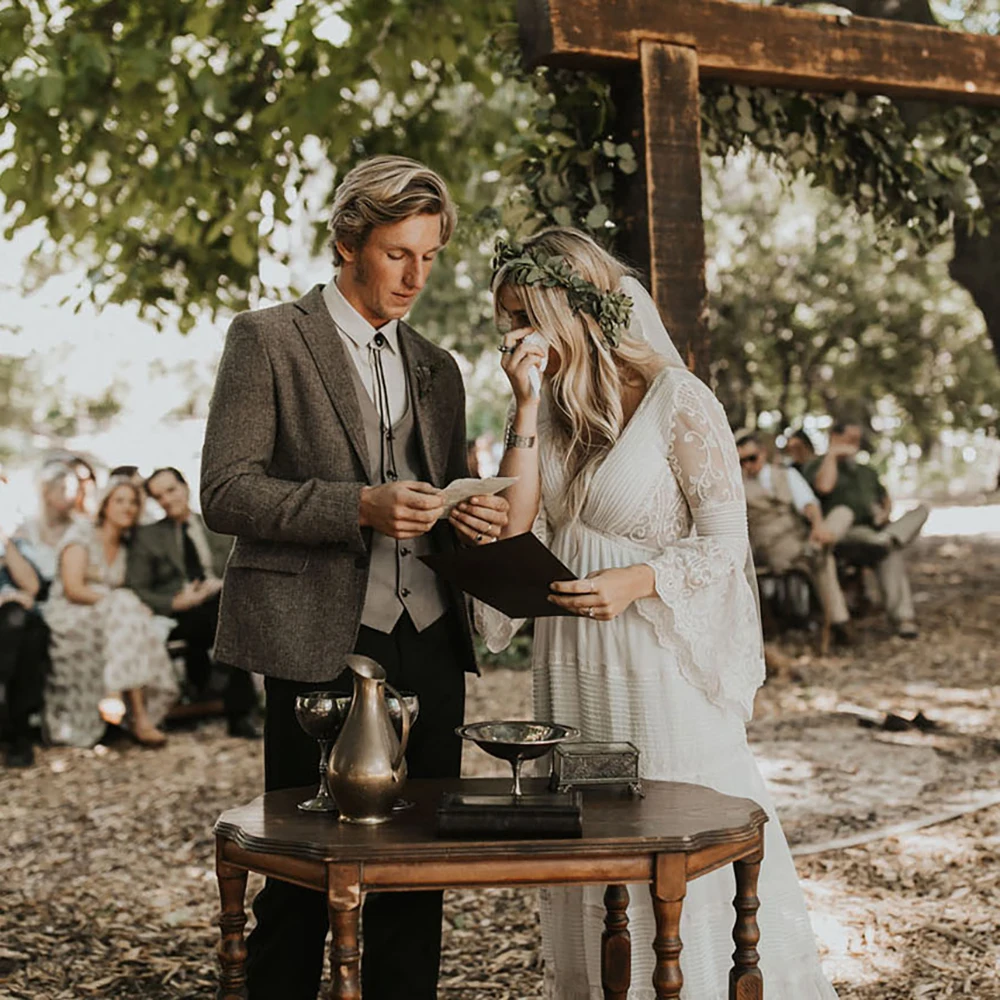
[
  {"x": 412, "y": 703},
  {"x": 321, "y": 715},
  {"x": 515, "y": 742}
]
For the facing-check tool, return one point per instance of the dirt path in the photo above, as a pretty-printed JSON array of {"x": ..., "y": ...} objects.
[{"x": 106, "y": 858}]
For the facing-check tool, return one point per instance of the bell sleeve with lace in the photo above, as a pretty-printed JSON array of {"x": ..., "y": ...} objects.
[{"x": 705, "y": 607}]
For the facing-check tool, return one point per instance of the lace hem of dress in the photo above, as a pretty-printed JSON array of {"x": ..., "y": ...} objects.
[{"x": 724, "y": 660}]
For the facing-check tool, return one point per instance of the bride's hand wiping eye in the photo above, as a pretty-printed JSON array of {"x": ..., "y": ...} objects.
[{"x": 519, "y": 357}]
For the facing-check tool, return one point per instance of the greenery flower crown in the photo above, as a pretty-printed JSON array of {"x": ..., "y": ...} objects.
[{"x": 527, "y": 266}]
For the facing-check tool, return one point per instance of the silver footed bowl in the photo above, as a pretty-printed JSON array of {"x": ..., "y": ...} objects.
[{"x": 517, "y": 742}]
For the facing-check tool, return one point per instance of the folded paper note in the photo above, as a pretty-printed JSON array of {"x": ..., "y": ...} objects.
[
  {"x": 512, "y": 575},
  {"x": 463, "y": 489}
]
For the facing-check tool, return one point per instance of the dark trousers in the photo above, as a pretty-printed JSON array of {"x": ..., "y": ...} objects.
[
  {"x": 402, "y": 931},
  {"x": 196, "y": 627},
  {"x": 24, "y": 664}
]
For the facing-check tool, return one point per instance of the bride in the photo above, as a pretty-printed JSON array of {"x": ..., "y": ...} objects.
[{"x": 627, "y": 469}]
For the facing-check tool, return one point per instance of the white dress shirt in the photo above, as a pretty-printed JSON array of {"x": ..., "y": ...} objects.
[
  {"x": 802, "y": 494},
  {"x": 357, "y": 334}
]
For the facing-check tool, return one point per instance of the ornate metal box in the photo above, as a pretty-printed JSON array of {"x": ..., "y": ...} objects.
[{"x": 577, "y": 765}]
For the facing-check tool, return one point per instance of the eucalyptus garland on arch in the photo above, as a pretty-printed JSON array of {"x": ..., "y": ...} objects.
[{"x": 929, "y": 176}]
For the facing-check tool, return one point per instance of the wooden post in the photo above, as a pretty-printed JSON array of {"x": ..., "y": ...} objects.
[
  {"x": 673, "y": 192},
  {"x": 631, "y": 215}
]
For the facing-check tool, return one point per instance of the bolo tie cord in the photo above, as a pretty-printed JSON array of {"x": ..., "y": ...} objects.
[{"x": 387, "y": 455}]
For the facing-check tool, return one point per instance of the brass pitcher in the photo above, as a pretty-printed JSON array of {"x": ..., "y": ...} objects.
[{"x": 367, "y": 768}]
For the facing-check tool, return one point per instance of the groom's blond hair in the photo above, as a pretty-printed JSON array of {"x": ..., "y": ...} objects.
[{"x": 384, "y": 190}]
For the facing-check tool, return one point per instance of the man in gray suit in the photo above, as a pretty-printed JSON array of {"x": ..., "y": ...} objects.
[
  {"x": 176, "y": 567},
  {"x": 332, "y": 429}
]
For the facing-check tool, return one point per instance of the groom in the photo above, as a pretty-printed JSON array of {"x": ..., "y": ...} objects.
[{"x": 332, "y": 428}]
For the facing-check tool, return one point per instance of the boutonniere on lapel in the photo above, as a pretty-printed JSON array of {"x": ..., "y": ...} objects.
[{"x": 426, "y": 374}]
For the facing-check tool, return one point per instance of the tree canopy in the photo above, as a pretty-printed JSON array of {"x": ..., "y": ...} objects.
[
  {"x": 168, "y": 143},
  {"x": 186, "y": 151}
]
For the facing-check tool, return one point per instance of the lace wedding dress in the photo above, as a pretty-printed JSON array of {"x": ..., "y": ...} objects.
[{"x": 675, "y": 674}]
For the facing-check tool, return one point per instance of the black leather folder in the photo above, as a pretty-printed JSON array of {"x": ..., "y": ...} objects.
[{"x": 512, "y": 575}]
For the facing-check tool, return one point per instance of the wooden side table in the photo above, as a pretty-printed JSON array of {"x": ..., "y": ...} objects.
[{"x": 673, "y": 835}]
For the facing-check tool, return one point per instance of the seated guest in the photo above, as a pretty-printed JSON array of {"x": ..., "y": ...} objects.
[
  {"x": 86, "y": 485},
  {"x": 40, "y": 537},
  {"x": 799, "y": 450},
  {"x": 788, "y": 530},
  {"x": 104, "y": 639},
  {"x": 839, "y": 480},
  {"x": 176, "y": 567},
  {"x": 131, "y": 472},
  {"x": 24, "y": 651}
]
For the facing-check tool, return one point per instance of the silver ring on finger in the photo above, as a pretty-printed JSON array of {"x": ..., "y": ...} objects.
[
  {"x": 504, "y": 349},
  {"x": 479, "y": 538},
  {"x": 590, "y": 612}
]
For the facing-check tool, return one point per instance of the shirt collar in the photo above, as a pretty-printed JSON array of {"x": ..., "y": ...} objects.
[{"x": 352, "y": 324}]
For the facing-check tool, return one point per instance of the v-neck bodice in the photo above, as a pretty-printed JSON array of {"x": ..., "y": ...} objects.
[{"x": 634, "y": 494}]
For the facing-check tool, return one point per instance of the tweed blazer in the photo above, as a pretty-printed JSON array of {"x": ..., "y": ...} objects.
[
  {"x": 284, "y": 462},
  {"x": 156, "y": 562}
]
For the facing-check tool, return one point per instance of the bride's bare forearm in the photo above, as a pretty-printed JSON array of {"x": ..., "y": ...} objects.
[{"x": 522, "y": 462}]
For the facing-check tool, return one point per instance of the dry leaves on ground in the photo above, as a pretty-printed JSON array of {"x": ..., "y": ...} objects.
[{"x": 107, "y": 859}]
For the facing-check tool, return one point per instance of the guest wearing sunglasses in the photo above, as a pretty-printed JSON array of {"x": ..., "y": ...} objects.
[{"x": 788, "y": 530}]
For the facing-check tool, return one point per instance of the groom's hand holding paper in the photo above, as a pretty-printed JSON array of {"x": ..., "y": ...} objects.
[
  {"x": 474, "y": 510},
  {"x": 514, "y": 575},
  {"x": 400, "y": 510}
]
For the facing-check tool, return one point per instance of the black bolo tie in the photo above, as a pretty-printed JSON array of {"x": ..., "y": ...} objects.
[{"x": 387, "y": 458}]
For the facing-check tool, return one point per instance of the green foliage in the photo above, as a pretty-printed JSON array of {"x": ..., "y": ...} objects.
[
  {"x": 529, "y": 266},
  {"x": 177, "y": 145},
  {"x": 943, "y": 169},
  {"x": 568, "y": 160},
  {"x": 517, "y": 656},
  {"x": 168, "y": 142},
  {"x": 814, "y": 307},
  {"x": 33, "y": 406}
]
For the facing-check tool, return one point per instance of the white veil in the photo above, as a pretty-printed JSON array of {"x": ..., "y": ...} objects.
[{"x": 648, "y": 326}]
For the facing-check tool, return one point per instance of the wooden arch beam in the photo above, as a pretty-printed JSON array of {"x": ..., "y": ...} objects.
[{"x": 770, "y": 46}]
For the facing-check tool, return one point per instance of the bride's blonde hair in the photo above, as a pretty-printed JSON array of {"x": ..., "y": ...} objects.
[{"x": 586, "y": 390}]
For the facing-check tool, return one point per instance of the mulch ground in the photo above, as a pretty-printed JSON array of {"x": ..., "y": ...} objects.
[{"x": 107, "y": 887}]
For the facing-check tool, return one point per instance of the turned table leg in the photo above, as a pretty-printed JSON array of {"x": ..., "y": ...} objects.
[
  {"x": 232, "y": 949},
  {"x": 745, "y": 979},
  {"x": 343, "y": 898},
  {"x": 616, "y": 945},
  {"x": 668, "y": 889}
]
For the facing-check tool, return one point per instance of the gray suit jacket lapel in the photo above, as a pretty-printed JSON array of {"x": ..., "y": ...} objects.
[
  {"x": 421, "y": 367},
  {"x": 323, "y": 341}
]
